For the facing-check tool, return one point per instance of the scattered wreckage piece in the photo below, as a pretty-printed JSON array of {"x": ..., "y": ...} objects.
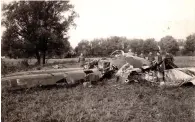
[
  {"x": 67, "y": 77},
  {"x": 124, "y": 67},
  {"x": 124, "y": 72},
  {"x": 28, "y": 81},
  {"x": 119, "y": 58},
  {"x": 94, "y": 71},
  {"x": 32, "y": 80},
  {"x": 172, "y": 76},
  {"x": 179, "y": 76},
  {"x": 43, "y": 71}
]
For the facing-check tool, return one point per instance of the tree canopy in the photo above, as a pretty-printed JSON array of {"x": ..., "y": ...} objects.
[
  {"x": 136, "y": 45},
  {"x": 37, "y": 28},
  {"x": 102, "y": 46},
  {"x": 169, "y": 44},
  {"x": 105, "y": 46},
  {"x": 83, "y": 47},
  {"x": 189, "y": 45},
  {"x": 150, "y": 45}
]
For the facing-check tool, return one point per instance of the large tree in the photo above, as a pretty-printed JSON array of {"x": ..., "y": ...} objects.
[
  {"x": 37, "y": 28},
  {"x": 136, "y": 45},
  {"x": 102, "y": 46},
  {"x": 113, "y": 43},
  {"x": 150, "y": 45},
  {"x": 83, "y": 47},
  {"x": 169, "y": 44},
  {"x": 190, "y": 44},
  {"x": 96, "y": 47}
]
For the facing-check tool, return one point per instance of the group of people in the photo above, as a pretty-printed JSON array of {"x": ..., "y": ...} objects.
[
  {"x": 151, "y": 57},
  {"x": 161, "y": 63},
  {"x": 167, "y": 58},
  {"x": 159, "y": 57}
]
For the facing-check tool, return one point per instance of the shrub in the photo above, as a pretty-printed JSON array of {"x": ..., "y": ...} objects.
[
  {"x": 10, "y": 67},
  {"x": 7, "y": 68},
  {"x": 25, "y": 63}
]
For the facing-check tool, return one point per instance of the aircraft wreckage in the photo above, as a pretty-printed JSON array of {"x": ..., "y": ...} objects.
[{"x": 125, "y": 67}]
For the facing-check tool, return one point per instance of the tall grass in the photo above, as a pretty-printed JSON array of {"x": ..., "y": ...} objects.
[
  {"x": 185, "y": 61},
  {"x": 109, "y": 103}
]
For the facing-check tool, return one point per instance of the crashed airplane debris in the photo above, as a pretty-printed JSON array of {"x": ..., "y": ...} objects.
[
  {"x": 67, "y": 76},
  {"x": 125, "y": 67},
  {"x": 172, "y": 76}
]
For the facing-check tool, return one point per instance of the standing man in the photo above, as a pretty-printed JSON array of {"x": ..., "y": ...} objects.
[
  {"x": 161, "y": 67},
  {"x": 81, "y": 60},
  {"x": 169, "y": 61},
  {"x": 169, "y": 57},
  {"x": 130, "y": 52},
  {"x": 142, "y": 55},
  {"x": 159, "y": 57},
  {"x": 151, "y": 58}
]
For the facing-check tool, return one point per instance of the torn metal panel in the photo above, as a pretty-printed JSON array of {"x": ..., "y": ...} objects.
[
  {"x": 180, "y": 76},
  {"x": 43, "y": 71},
  {"x": 172, "y": 77},
  {"x": 124, "y": 72},
  {"x": 120, "y": 59}
]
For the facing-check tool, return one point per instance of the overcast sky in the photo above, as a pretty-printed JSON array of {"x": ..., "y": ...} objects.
[{"x": 133, "y": 19}]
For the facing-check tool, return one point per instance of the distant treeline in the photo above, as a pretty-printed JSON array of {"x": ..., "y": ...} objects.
[
  {"x": 105, "y": 46},
  {"x": 38, "y": 30}
]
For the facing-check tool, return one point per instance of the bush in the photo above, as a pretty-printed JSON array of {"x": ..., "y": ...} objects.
[
  {"x": 7, "y": 68},
  {"x": 25, "y": 63},
  {"x": 187, "y": 53},
  {"x": 10, "y": 67}
]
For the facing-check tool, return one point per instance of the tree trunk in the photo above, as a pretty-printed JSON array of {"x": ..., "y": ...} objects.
[
  {"x": 38, "y": 58},
  {"x": 44, "y": 57},
  {"x": 41, "y": 59}
]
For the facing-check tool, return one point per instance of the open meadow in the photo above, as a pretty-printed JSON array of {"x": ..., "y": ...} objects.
[
  {"x": 181, "y": 61},
  {"x": 108, "y": 102}
]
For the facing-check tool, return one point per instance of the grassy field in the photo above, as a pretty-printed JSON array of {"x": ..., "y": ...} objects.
[
  {"x": 179, "y": 60},
  {"x": 111, "y": 102},
  {"x": 15, "y": 65},
  {"x": 185, "y": 61},
  {"x": 48, "y": 61}
]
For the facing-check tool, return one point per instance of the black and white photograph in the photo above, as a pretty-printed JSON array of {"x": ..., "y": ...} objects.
[{"x": 97, "y": 61}]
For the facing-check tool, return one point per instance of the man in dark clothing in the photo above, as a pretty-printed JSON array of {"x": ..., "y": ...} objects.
[
  {"x": 169, "y": 57},
  {"x": 169, "y": 61},
  {"x": 159, "y": 57},
  {"x": 161, "y": 66}
]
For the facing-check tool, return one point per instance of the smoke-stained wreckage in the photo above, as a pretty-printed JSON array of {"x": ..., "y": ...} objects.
[{"x": 123, "y": 66}]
